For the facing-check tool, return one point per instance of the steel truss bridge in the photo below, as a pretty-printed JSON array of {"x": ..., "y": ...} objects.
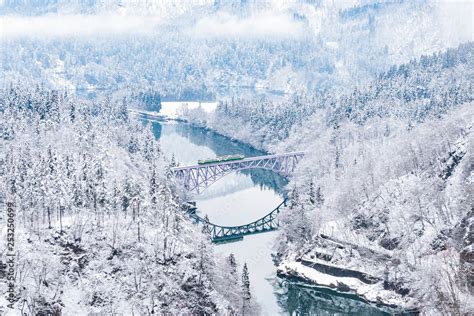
[{"x": 197, "y": 178}]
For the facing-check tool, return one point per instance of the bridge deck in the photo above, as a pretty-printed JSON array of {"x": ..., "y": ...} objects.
[{"x": 257, "y": 158}]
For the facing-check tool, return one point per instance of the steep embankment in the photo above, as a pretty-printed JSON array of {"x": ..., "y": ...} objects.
[{"x": 392, "y": 223}]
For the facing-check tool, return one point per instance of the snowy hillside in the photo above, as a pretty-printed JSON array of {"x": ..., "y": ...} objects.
[
  {"x": 385, "y": 188},
  {"x": 412, "y": 92},
  {"x": 205, "y": 49},
  {"x": 99, "y": 224}
]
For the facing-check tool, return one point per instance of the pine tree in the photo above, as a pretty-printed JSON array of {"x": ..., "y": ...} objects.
[
  {"x": 246, "y": 296},
  {"x": 311, "y": 193},
  {"x": 294, "y": 198},
  {"x": 123, "y": 111},
  {"x": 153, "y": 187},
  {"x": 133, "y": 146},
  {"x": 232, "y": 264},
  {"x": 302, "y": 226},
  {"x": 319, "y": 196},
  {"x": 173, "y": 162},
  {"x": 72, "y": 112},
  {"x": 205, "y": 227},
  {"x": 148, "y": 148},
  {"x": 204, "y": 263}
]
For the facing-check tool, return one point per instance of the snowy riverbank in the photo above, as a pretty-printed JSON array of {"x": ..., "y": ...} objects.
[
  {"x": 372, "y": 292},
  {"x": 176, "y": 110}
]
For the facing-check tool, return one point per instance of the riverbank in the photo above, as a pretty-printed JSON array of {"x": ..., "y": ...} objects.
[{"x": 361, "y": 286}]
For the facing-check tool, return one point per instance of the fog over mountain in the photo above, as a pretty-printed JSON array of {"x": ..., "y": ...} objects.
[{"x": 187, "y": 48}]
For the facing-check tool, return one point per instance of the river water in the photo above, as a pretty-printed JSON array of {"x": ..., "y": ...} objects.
[{"x": 241, "y": 198}]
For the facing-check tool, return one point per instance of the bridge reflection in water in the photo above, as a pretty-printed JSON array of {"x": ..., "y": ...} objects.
[
  {"x": 197, "y": 178},
  {"x": 221, "y": 233}
]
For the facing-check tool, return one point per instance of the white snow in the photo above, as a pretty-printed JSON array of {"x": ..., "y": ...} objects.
[
  {"x": 371, "y": 292},
  {"x": 172, "y": 109}
]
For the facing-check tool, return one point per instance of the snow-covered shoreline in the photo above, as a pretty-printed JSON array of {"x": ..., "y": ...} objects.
[{"x": 373, "y": 294}]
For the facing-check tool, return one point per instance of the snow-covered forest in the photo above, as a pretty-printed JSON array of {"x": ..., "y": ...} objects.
[
  {"x": 93, "y": 192},
  {"x": 378, "y": 94},
  {"x": 421, "y": 89}
]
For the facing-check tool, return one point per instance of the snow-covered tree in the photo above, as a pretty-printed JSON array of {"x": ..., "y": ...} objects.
[{"x": 246, "y": 295}]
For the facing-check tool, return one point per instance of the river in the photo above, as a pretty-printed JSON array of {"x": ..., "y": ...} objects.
[{"x": 240, "y": 198}]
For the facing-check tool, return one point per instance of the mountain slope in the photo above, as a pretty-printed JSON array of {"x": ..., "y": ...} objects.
[{"x": 205, "y": 49}]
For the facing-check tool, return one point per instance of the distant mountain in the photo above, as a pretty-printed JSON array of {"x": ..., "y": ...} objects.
[{"x": 202, "y": 49}]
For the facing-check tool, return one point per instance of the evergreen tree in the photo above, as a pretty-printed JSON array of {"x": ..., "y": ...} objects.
[
  {"x": 311, "y": 193},
  {"x": 133, "y": 145},
  {"x": 246, "y": 295},
  {"x": 206, "y": 229},
  {"x": 173, "y": 162},
  {"x": 294, "y": 198},
  {"x": 319, "y": 196},
  {"x": 153, "y": 187},
  {"x": 232, "y": 264},
  {"x": 302, "y": 227},
  {"x": 123, "y": 111}
]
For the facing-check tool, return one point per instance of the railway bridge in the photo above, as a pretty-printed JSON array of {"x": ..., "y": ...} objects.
[{"x": 197, "y": 178}]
